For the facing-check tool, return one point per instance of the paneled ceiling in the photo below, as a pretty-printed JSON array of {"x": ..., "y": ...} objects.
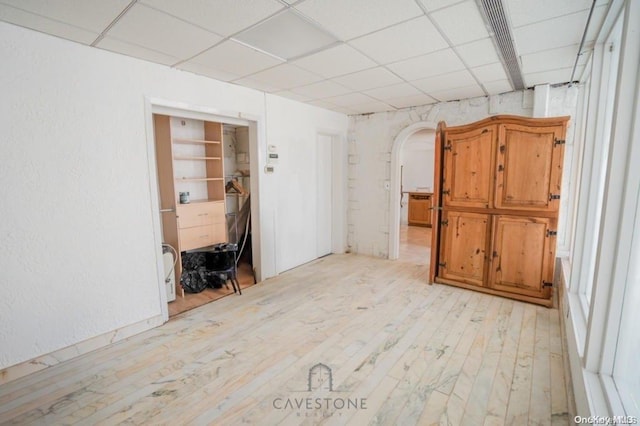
[{"x": 351, "y": 56}]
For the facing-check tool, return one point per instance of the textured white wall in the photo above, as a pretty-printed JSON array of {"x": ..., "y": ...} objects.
[
  {"x": 370, "y": 143},
  {"x": 77, "y": 254}
]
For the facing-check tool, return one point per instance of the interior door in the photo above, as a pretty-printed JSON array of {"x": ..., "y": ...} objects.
[
  {"x": 323, "y": 195},
  {"x": 523, "y": 253},
  {"x": 529, "y": 168},
  {"x": 436, "y": 202}
]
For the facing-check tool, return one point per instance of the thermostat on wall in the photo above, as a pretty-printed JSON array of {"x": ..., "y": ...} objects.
[{"x": 272, "y": 154}]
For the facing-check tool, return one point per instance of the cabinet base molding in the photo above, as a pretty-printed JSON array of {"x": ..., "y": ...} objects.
[{"x": 548, "y": 303}]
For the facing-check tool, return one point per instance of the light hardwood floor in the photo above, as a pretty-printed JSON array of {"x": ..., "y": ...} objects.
[
  {"x": 405, "y": 352},
  {"x": 208, "y": 295}
]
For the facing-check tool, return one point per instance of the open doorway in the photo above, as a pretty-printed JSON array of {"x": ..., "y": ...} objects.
[
  {"x": 416, "y": 182},
  {"x": 202, "y": 167},
  {"x": 412, "y": 163}
]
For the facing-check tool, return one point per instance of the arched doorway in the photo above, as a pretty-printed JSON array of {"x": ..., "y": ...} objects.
[{"x": 395, "y": 192}]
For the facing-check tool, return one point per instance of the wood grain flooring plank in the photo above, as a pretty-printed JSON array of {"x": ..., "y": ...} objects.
[{"x": 416, "y": 353}]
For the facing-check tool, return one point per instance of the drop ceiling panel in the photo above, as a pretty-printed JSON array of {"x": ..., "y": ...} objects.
[
  {"x": 412, "y": 38},
  {"x": 375, "y": 106},
  {"x": 409, "y": 101},
  {"x": 554, "y": 58},
  {"x": 432, "y": 5},
  {"x": 440, "y": 62},
  {"x": 208, "y": 72},
  {"x": 353, "y": 18},
  {"x": 91, "y": 15},
  {"x": 322, "y": 89},
  {"x": 46, "y": 25},
  {"x": 393, "y": 92},
  {"x": 235, "y": 58},
  {"x": 323, "y": 104},
  {"x": 294, "y": 96},
  {"x": 258, "y": 85},
  {"x": 476, "y": 53},
  {"x": 351, "y": 99},
  {"x": 445, "y": 81},
  {"x": 497, "y": 87},
  {"x": 550, "y": 34},
  {"x": 472, "y": 91},
  {"x": 286, "y": 76},
  {"x": 597, "y": 18},
  {"x": 524, "y": 12},
  {"x": 368, "y": 79},
  {"x": 339, "y": 60},
  {"x": 562, "y": 75},
  {"x": 490, "y": 72},
  {"x": 114, "y": 45},
  {"x": 223, "y": 17},
  {"x": 461, "y": 23},
  {"x": 158, "y": 31},
  {"x": 287, "y": 35}
]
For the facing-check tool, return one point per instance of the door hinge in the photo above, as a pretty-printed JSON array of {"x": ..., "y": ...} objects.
[
  {"x": 554, "y": 197},
  {"x": 444, "y": 222},
  {"x": 446, "y": 192},
  {"x": 557, "y": 142},
  {"x": 447, "y": 147},
  {"x": 442, "y": 264},
  {"x": 551, "y": 233},
  {"x": 547, "y": 284}
]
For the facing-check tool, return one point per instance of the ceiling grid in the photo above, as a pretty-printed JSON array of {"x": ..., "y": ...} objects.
[{"x": 368, "y": 56}]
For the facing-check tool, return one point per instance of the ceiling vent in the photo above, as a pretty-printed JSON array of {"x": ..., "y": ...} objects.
[{"x": 494, "y": 13}]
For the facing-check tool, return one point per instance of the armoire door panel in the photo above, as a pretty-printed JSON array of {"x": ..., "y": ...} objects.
[
  {"x": 468, "y": 168},
  {"x": 464, "y": 238},
  {"x": 522, "y": 255},
  {"x": 528, "y": 168}
]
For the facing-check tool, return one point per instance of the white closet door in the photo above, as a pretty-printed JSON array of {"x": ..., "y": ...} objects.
[{"x": 323, "y": 195}]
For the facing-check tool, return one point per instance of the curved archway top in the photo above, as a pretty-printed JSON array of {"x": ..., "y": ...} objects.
[{"x": 408, "y": 131}]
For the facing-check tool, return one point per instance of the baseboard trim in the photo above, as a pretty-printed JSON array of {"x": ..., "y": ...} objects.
[{"x": 41, "y": 362}]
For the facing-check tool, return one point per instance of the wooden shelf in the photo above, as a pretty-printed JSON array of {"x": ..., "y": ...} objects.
[
  {"x": 184, "y": 157},
  {"x": 195, "y": 141},
  {"x": 201, "y": 201},
  {"x": 198, "y": 179}
]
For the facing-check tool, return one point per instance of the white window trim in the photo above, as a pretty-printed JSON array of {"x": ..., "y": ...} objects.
[{"x": 616, "y": 225}]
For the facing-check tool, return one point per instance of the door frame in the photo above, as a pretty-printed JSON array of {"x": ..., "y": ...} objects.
[
  {"x": 254, "y": 123},
  {"x": 331, "y": 190},
  {"x": 395, "y": 196}
]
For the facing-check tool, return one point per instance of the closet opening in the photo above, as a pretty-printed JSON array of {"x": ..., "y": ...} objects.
[{"x": 203, "y": 167}]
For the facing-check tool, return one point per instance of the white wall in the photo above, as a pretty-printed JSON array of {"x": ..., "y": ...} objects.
[
  {"x": 78, "y": 255},
  {"x": 294, "y": 132},
  {"x": 417, "y": 161},
  {"x": 370, "y": 143}
]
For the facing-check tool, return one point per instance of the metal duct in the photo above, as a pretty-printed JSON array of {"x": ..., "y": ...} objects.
[{"x": 494, "y": 13}]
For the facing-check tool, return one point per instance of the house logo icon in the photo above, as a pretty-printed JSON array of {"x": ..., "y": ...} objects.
[{"x": 320, "y": 378}]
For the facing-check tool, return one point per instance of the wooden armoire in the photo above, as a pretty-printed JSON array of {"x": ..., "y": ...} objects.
[{"x": 496, "y": 201}]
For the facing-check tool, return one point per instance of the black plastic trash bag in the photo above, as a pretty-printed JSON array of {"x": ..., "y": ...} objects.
[{"x": 194, "y": 272}]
